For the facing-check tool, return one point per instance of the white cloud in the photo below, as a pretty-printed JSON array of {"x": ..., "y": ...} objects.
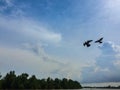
[
  {"x": 34, "y": 60},
  {"x": 15, "y": 28},
  {"x": 16, "y": 23},
  {"x": 11, "y": 8},
  {"x": 6, "y": 4},
  {"x": 31, "y": 58},
  {"x": 29, "y": 29},
  {"x": 24, "y": 61},
  {"x": 67, "y": 69},
  {"x": 112, "y": 5},
  {"x": 106, "y": 67}
]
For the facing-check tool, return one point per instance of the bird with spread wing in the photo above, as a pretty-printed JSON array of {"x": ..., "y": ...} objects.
[
  {"x": 99, "y": 40},
  {"x": 87, "y": 43}
]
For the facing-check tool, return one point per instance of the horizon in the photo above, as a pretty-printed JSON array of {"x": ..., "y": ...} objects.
[
  {"x": 45, "y": 38},
  {"x": 103, "y": 84}
]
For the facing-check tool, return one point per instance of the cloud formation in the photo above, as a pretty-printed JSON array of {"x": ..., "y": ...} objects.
[
  {"x": 24, "y": 61},
  {"x": 106, "y": 67},
  {"x": 16, "y": 30},
  {"x": 34, "y": 60},
  {"x": 5, "y": 4},
  {"x": 27, "y": 29},
  {"x": 17, "y": 27},
  {"x": 12, "y": 8}
]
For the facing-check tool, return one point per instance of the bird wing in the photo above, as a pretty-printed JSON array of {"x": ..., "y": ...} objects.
[
  {"x": 89, "y": 41},
  {"x": 100, "y": 39}
]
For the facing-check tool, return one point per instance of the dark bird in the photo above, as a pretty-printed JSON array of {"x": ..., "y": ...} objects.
[
  {"x": 99, "y": 41},
  {"x": 87, "y": 43}
]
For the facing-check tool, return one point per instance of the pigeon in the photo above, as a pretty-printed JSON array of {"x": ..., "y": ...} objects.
[
  {"x": 99, "y": 41},
  {"x": 87, "y": 43}
]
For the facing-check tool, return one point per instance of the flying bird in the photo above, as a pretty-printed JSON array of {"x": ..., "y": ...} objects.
[
  {"x": 87, "y": 43},
  {"x": 99, "y": 41}
]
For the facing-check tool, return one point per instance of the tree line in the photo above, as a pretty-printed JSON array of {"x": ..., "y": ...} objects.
[{"x": 23, "y": 81}]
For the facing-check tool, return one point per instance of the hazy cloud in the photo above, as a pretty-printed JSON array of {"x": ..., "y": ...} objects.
[
  {"x": 106, "y": 68},
  {"x": 25, "y": 61},
  {"x": 17, "y": 27},
  {"x": 29, "y": 56},
  {"x": 5, "y": 4},
  {"x": 41, "y": 64},
  {"x": 25, "y": 29}
]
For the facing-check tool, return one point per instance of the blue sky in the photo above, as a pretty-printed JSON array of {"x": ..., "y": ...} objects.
[{"x": 45, "y": 38}]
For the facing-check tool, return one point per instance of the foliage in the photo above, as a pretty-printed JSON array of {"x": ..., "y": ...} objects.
[{"x": 11, "y": 81}]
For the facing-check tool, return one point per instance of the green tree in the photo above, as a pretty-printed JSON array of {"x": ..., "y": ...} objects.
[
  {"x": 76, "y": 85},
  {"x": 22, "y": 81},
  {"x": 43, "y": 83},
  {"x": 9, "y": 80},
  {"x": 50, "y": 83},
  {"x": 0, "y": 81},
  {"x": 57, "y": 83},
  {"x": 34, "y": 83},
  {"x": 65, "y": 83}
]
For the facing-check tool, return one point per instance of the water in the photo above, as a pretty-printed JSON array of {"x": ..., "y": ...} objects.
[
  {"x": 97, "y": 89},
  {"x": 67, "y": 89}
]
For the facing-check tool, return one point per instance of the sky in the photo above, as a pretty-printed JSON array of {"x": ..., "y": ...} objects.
[{"x": 45, "y": 38}]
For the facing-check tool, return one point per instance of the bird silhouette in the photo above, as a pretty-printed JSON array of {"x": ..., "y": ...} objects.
[
  {"x": 87, "y": 43},
  {"x": 99, "y": 40}
]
